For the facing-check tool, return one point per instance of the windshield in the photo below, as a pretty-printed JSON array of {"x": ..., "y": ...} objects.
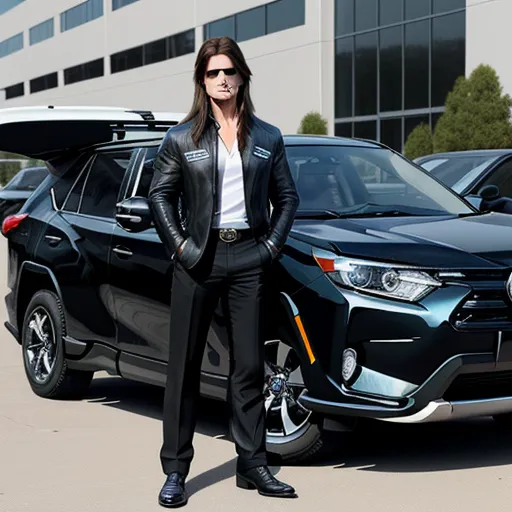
[
  {"x": 458, "y": 172},
  {"x": 28, "y": 179},
  {"x": 357, "y": 180}
]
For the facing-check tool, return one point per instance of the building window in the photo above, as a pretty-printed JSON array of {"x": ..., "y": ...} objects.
[
  {"x": 117, "y": 4},
  {"x": 41, "y": 32},
  {"x": 259, "y": 21},
  {"x": 395, "y": 62},
  {"x": 80, "y": 14},
  {"x": 154, "y": 51},
  {"x": 87, "y": 71},
  {"x": 11, "y": 45},
  {"x": 7, "y": 5},
  {"x": 43, "y": 83},
  {"x": 14, "y": 91}
]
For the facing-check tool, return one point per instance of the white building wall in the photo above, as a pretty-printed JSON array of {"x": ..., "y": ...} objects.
[
  {"x": 488, "y": 37},
  {"x": 293, "y": 69}
]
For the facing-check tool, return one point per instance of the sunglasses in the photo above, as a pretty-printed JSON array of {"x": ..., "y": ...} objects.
[{"x": 212, "y": 73}]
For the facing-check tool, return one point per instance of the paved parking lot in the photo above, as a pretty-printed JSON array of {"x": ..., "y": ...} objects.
[{"x": 101, "y": 454}]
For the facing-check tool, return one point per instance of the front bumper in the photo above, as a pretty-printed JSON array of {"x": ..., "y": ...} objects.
[{"x": 465, "y": 386}]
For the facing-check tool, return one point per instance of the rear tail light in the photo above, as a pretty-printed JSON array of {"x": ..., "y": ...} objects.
[{"x": 12, "y": 221}]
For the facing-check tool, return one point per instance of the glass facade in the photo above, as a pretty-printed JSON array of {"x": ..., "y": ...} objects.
[
  {"x": 42, "y": 31},
  {"x": 80, "y": 14},
  {"x": 7, "y": 5},
  {"x": 259, "y": 21},
  {"x": 395, "y": 62}
]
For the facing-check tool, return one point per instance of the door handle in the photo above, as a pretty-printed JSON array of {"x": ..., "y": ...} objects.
[
  {"x": 122, "y": 250},
  {"x": 54, "y": 240},
  {"x": 127, "y": 216}
]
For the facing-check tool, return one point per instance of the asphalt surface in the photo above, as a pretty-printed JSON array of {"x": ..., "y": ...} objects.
[{"x": 101, "y": 454}]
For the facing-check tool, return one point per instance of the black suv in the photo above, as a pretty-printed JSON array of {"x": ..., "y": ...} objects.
[{"x": 391, "y": 299}]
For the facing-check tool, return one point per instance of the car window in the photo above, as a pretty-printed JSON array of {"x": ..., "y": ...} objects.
[
  {"x": 502, "y": 178},
  {"x": 349, "y": 179},
  {"x": 143, "y": 181},
  {"x": 103, "y": 183},
  {"x": 28, "y": 179},
  {"x": 73, "y": 199}
]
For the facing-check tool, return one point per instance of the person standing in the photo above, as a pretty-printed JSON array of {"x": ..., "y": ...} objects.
[{"x": 215, "y": 175}]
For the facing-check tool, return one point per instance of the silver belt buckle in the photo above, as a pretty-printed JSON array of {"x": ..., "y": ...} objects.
[{"x": 228, "y": 235}]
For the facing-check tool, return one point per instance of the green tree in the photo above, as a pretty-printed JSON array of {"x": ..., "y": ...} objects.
[
  {"x": 313, "y": 124},
  {"x": 477, "y": 114},
  {"x": 420, "y": 142}
]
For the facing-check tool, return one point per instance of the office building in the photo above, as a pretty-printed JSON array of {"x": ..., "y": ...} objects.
[{"x": 372, "y": 68}]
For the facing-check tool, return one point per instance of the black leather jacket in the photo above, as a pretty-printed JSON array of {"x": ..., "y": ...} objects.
[{"x": 183, "y": 192}]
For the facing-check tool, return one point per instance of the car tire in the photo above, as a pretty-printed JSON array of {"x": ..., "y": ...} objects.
[
  {"x": 301, "y": 439},
  {"x": 43, "y": 351}
]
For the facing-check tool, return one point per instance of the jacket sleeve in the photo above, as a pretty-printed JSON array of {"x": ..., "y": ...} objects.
[
  {"x": 283, "y": 196},
  {"x": 164, "y": 193}
]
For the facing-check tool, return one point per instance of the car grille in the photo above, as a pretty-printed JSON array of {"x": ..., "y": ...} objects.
[
  {"x": 487, "y": 307},
  {"x": 478, "y": 386}
]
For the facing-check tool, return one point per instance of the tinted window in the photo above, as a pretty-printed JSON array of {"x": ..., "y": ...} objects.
[
  {"x": 146, "y": 174},
  {"x": 344, "y": 23},
  {"x": 117, "y": 4},
  {"x": 14, "y": 91},
  {"x": 285, "y": 14},
  {"x": 87, "y": 71},
  {"x": 391, "y": 133},
  {"x": 347, "y": 178},
  {"x": 103, "y": 184},
  {"x": 366, "y": 74},
  {"x": 343, "y": 76},
  {"x": 5, "y": 5},
  {"x": 502, "y": 177},
  {"x": 220, "y": 28},
  {"x": 391, "y": 11},
  {"x": 41, "y": 32},
  {"x": 448, "y": 5},
  {"x": 27, "y": 179},
  {"x": 457, "y": 171},
  {"x": 448, "y": 54},
  {"x": 80, "y": 14},
  {"x": 11, "y": 45},
  {"x": 391, "y": 69},
  {"x": 250, "y": 24},
  {"x": 416, "y": 8},
  {"x": 73, "y": 200},
  {"x": 43, "y": 83},
  {"x": 366, "y": 14},
  {"x": 417, "y": 64}
]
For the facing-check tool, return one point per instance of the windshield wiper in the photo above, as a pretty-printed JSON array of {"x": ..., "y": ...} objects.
[{"x": 317, "y": 214}]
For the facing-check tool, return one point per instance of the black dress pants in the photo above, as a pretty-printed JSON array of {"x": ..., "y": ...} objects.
[{"x": 233, "y": 272}]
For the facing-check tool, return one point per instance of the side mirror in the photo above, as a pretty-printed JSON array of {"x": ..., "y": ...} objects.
[
  {"x": 489, "y": 192},
  {"x": 133, "y": 214}
]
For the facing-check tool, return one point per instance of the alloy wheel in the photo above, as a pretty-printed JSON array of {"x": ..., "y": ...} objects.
[
  {"x": 286, "y": 418},
  {"x": 41, "y": 348}
]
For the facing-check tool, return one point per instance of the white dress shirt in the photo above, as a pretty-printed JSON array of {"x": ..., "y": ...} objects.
[{"x": 231, "y": 211}]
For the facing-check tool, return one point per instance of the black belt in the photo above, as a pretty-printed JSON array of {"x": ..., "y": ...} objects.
[{"x": 230, "y": 235}]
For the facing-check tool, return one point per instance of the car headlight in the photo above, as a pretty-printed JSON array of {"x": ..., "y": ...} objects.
[{"x": 389, "y": 280}]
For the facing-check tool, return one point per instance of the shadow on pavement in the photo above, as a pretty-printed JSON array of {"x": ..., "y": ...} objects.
[{"x": 374, "y": 446}]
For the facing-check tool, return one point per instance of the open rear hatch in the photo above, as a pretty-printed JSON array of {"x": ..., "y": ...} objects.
[{"x": 47, "y": 132}]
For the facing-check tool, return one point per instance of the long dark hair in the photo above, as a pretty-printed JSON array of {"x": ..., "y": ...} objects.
[{"x": 201, "y": 109}]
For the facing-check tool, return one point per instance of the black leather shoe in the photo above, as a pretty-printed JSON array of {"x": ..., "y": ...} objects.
[
  {"x": 267, "y": 484},
  {"x": 173, "y": 492}
]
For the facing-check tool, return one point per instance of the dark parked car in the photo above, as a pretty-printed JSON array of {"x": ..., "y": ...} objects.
[
  {"x": 391, "y": 300},
  {"x": 483, "y": 177},
  {"x": 19, "y": 189}
]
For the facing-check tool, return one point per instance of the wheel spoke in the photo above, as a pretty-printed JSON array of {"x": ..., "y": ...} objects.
[
  {"x": 34, "y": 346},
  {"x": 38, "y": 361},
  {"x": 288, "y": 425},
  {"x": 282, "y": 354},
  {"x": 295, "y": 378},
  {"x": 46, "y": 361}
]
